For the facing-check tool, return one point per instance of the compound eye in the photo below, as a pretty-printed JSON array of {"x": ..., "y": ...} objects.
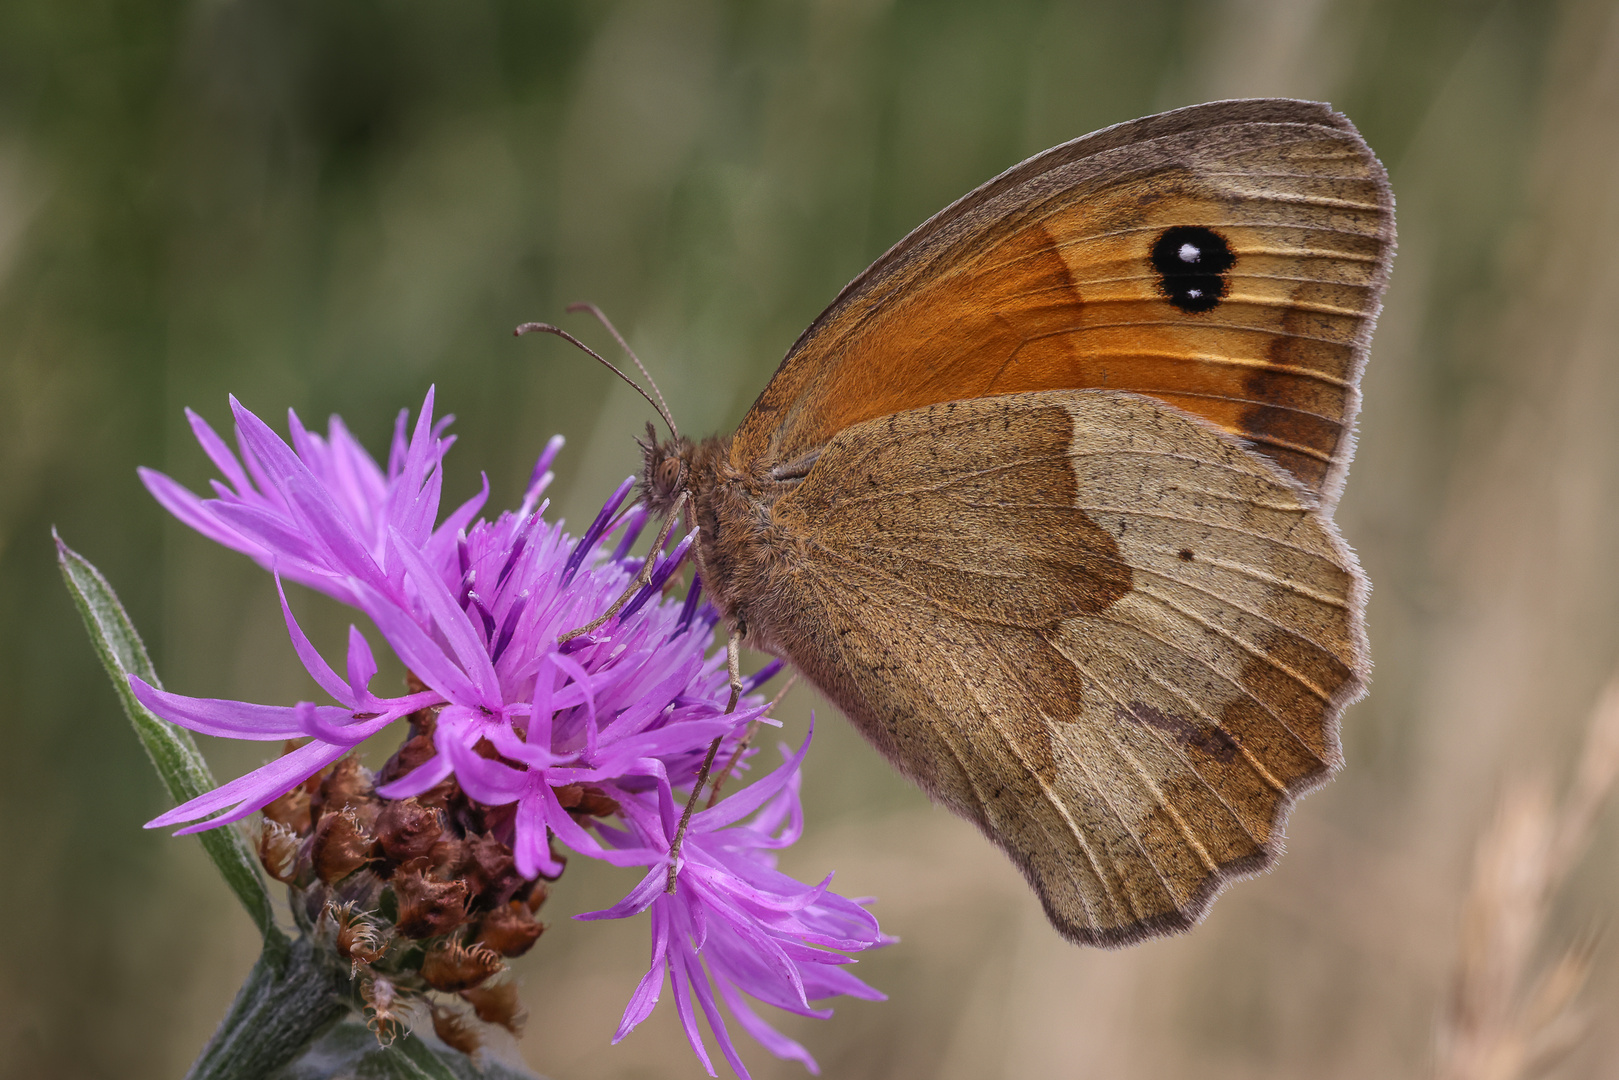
[{"x": 669, "y": 473}]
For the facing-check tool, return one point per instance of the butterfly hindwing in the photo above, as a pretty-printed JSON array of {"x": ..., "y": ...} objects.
[{"x": 1095, "y": 626}]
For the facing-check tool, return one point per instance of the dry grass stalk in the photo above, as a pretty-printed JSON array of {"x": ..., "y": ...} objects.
[{"x": 1503, "y": 1025}]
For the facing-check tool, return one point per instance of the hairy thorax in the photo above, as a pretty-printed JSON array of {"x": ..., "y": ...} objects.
[{"x": 743, "y": 556}]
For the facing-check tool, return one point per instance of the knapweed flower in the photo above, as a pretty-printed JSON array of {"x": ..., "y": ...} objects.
[{"x": 517, "y": 741}]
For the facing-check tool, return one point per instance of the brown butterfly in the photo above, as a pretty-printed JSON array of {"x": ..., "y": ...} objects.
[{"x": 1043, "y": 501}]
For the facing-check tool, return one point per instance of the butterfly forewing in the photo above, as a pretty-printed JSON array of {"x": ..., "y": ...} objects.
[
  {"x": 1228, "y": 259},
  {"x": 1098, "y": 628}
]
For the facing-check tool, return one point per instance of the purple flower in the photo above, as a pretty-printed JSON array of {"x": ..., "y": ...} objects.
[
  {"x": 474, "y": 608},
  {"x": 760, "y": 932}
]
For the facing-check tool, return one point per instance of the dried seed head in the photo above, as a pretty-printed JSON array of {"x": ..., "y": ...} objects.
[
  {"x": 413, "y": 752},
  {"x": 442, "y": 796},
  {"x": 428, "y": 908},
  {"x": 493, "y": 819},
  {"x": 347, "y": 785},
  {"x": 407, "y": 830},
  {"x": 291, "y": 810},
  {"x": 584, "y": 799},
  {"x": 342, "y": 845},
  {"x": 491, "y": 870},
  {"x": 382, "y": 1004},
  {"x": 355, "y": 937},
  {"x": 452, "y": 967},
  {"x": 448, "y": 859},
  {"x": 510, "y": 930},
  {"x": 597, "y": 803},
  {"x": 455, "y": 1028},
  {"x": 278, "y": 851},
  {"x": 497, "y": 1003},
  {"x": 363, "y": 890}
]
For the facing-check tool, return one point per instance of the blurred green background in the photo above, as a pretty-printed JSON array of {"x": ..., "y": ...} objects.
[{"x": 330, "y": 204}]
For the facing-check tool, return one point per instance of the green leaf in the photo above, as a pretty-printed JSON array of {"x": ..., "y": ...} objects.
[
  {"x": 280, "y": 1011},
  {"x": 173, "y": 752}
]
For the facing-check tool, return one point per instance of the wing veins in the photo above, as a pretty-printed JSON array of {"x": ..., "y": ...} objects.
[
  {"x": 1180, "y": 324},
  {"x": 1129, "y": 906},
  {"x": 1207, "y": 524},
  {"x": 1247, "y": 755},
  {"x": 1163, "y": 354},
  {"x": 1101, "y": 792},
  {"x": 1234, "y": 603},
  {"x": 1110, "y": 234},
  {"x": 1217, "y": 674},
  {"x": 1131, "y": 627},
  {"x": 1246, "y": 646},
  {"x": 1128, "y": 755},
  {"x": 821, "y": 595}
]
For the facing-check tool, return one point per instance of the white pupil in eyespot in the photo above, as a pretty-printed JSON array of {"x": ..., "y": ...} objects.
[
  {"x": 1194, "y": 293},
  {"x": 1190, "y": 253}
]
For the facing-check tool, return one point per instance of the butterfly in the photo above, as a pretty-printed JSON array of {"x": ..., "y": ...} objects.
[{"x": 1043, "y": 501}]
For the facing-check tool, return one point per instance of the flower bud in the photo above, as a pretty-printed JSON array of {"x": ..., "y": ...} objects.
[
  {"x": 597, "y": 803},
  {"x": 448, "y": 858},
  {"x": 356, "y": 938},
  {"x": 491, "y": 870},
  {"x": 278, "y": 851},
  {"x": 413, "y": 752},
  {"x": 585, "y": 800},
  {"x": 428, "y": 908},
  {"x": 497, "y": 1003},
  {"x": 362, "y": 889},
  {"x": 291, "y": 810},
  {"x": 510, "y": 930},
  {"x": 407, "y": 830},
  {"x": 455, "y": 1029},
  {"x": 347, "y": 785},
  {"x": 498, "y": 820},
  {"x": 341, "y": 846},
  {"x": 452, "y": 967}
]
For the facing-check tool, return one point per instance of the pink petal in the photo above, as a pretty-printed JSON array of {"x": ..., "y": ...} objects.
[
  {"x": 219, "y": 454},
  {"x": 253, "y": 791},
  {"x": 227, "y": 719}
]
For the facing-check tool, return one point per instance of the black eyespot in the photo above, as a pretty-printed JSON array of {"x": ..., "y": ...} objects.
[
  {"x": 1191, "y": 262},
  {"x": 1186, "y": 555}
]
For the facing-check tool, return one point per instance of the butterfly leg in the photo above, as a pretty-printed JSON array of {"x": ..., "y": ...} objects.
[
  {"x": 746, "y": 741},
  {"x": 733, "y": 663}
]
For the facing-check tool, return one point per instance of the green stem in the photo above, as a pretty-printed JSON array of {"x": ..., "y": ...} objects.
[{"x": 282, "y": 1007}]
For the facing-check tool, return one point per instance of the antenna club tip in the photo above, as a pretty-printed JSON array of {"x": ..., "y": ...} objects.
[{"x": 531, "y": 327}]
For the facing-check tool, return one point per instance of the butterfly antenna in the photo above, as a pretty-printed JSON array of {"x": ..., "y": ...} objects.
[
  {"x": 601, "y": 317},
  {"x": 547, "y": 328}
]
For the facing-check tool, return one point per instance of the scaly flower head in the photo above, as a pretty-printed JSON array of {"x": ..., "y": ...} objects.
[{"x": 517, "y": 740}]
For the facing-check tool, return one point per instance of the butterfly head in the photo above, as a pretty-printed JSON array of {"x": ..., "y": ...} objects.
[{"x": 667, "y": 470}]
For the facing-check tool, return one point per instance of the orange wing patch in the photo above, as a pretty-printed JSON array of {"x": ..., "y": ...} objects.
[{"x": 1047, "y": 278}]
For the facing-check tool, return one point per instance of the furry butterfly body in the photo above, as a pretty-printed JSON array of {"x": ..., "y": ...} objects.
[{"x": 1043, "y": 501}]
